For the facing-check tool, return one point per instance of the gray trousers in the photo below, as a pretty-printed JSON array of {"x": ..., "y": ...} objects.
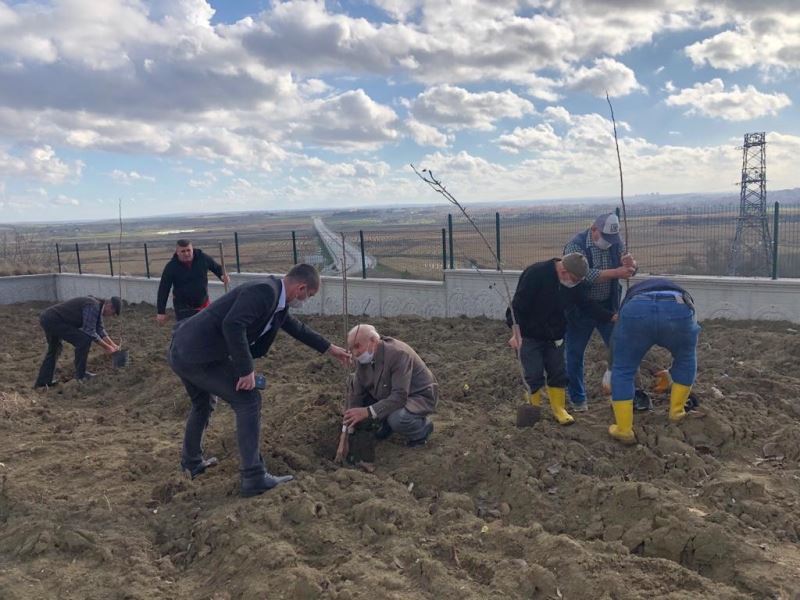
[
  {"x": 407, "y": 423},
  {"x": 543, "y": 360},
  {"x": 219, "y": 378},
  {"x": 404, "y": 422}
]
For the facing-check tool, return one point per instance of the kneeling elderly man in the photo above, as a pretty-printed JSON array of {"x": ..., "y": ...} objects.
[{"x": 392, "y": 385}]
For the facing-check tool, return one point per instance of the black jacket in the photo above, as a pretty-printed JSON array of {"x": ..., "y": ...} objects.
[
  {"x": 232, "y": 326},
  {"x": 540, "y": 302},
  {"x": 189, "y": 285}
]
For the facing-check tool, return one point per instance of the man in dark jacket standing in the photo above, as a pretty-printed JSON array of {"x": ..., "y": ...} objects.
[
  {"x": 656, "y": 312},
  {"x": 213, "y": 353},
  {"x": 187, "y": 274},
  {"x": 544, "y": 293},
  {"x": 79, "y": 321}
]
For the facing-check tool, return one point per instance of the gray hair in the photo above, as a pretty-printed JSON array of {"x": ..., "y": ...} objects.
[{"x": 363, "y": 331}]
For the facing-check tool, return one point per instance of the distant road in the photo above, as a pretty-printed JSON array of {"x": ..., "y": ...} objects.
[{"x": 333, "y": 242}]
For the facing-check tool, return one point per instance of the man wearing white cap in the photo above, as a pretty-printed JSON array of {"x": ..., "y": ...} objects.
[{"x": 608, "y": 261}]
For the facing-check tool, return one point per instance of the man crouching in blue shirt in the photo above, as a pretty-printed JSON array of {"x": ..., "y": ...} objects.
[{"x": 655, "y": 312}]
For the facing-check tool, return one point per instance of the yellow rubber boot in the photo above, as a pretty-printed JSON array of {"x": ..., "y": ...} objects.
[
  {"x": 677, "y": 401},
  {"x": 622, "y": 430},
  {"x": 558, "y": 405},
  {"x": 534, "y": 398}
]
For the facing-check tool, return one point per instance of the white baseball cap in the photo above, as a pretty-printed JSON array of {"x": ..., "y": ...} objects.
[{"x": 608, "y": 226}]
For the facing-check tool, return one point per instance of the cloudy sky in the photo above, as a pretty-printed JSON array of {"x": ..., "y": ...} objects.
[{"x": 190, "y": 105}]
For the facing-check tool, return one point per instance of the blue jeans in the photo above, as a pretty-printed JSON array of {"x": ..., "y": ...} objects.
[
  {"x": 647, "y": 320},
  {"x": 580, "y": 327}
]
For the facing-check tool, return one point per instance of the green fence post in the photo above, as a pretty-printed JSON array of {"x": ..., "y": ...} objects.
[
  {"x": 363, "y": 255},
  {"x": 146, "y": 260},
  {"x": 775, "y": 241},
  {"x": 110, "y": 262},
  {"x": 236, "y": 243},
  {"x": 497, "y": 235},
  {"x": 58, "y": 258},
  {"x": 450, "y": 231},
  {"x": 294, "y": 247},
  {"x": 78, "y": 254},
  {"x": 444, "y": 249}
]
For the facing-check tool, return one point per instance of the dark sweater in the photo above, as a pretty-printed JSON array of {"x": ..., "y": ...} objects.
[
  {"x": 540, "y": 302},
  {"x": 189, "y": 285},
  {"x": 84, "y": 313}
]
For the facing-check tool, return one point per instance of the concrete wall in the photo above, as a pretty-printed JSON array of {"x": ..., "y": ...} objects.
[
  {"x": 464, "y": 292},
  {"x": 26, "y": 288},
  {"x": 736, "y": 298}
]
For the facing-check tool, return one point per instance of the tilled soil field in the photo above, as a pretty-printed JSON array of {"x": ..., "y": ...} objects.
[{"x": 92, "y": 504}]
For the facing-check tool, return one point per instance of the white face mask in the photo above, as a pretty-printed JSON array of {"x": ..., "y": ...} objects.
[
  {"x": 296, "y": 303},
  {"x": 365, "y": 357},
  {"x": 602, "y": 243},
  {"x": 568, "y": 283}
]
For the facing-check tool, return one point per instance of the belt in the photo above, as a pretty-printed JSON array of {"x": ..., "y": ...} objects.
[{"x": 662, "y": 297}]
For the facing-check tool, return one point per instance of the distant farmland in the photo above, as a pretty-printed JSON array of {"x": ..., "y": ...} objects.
[{"x": 407, "y": 242}]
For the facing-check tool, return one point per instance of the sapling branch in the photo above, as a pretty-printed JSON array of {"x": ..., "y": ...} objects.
[{"x": 436, "y": 185}]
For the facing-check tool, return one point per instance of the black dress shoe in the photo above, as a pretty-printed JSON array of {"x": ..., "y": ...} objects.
[
  {"x": 258, "y": 484},
  {"x": 200, "y": 468},
  {"x": 424, "y": 439},
  {"x": 642, "y": 401},
  {"x": 53, "y": 383},
  {"x": 384, "y": 431}
]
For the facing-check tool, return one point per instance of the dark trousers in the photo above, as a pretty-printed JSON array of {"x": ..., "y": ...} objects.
[
  {"x": 184, "y": 312},
  {"x": 540, "y": 357},
  {"x": 219, "y": 379},
  {"x": 56, "y": 330}
]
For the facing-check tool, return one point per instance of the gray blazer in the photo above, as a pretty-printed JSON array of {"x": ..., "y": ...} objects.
[
  {"x": 397, "y": 378},
  {"x": 232, "y": 326}
]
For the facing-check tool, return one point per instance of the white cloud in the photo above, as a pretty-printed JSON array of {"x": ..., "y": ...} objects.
[
  {"x": 455, "y": 108},
  {"x": 426, "y": 135},
  {"x": 206, "y": 180},
  {"x": 62, "y": 200},
  {"x": 529, "y": 138},
  {"x": 40, "y": 163},
  {"x": 768, "y": 41},
  {"x": 130, "y": 177},
  {"x": 736, "y": 104},
  {"x": 349, "y": 121},
  {"x": 607, "y": 75},
  {"x": 314, "y": 87}
]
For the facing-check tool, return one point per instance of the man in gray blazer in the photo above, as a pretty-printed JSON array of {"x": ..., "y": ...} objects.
[
  {"x": 392, "y": 385},
  {"x": 213, "y": 353}
]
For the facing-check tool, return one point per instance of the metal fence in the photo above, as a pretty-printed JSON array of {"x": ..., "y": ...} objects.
[{"x": 692, "y": 240}]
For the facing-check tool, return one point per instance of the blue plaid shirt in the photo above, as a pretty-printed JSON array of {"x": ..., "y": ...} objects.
[
  {"x": 601, "y": 260},
  {"x": 93, "y": 321}
]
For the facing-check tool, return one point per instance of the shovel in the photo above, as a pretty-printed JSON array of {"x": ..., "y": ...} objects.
[{"x": 119, "y": 359}]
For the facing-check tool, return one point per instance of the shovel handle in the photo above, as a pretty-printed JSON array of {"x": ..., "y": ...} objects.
[
  {"x": 341, "y": 450},
  {"x": 222, "y": 264}
]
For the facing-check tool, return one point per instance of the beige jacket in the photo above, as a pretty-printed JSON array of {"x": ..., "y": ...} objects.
[{"x": 396, "y": 378}]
